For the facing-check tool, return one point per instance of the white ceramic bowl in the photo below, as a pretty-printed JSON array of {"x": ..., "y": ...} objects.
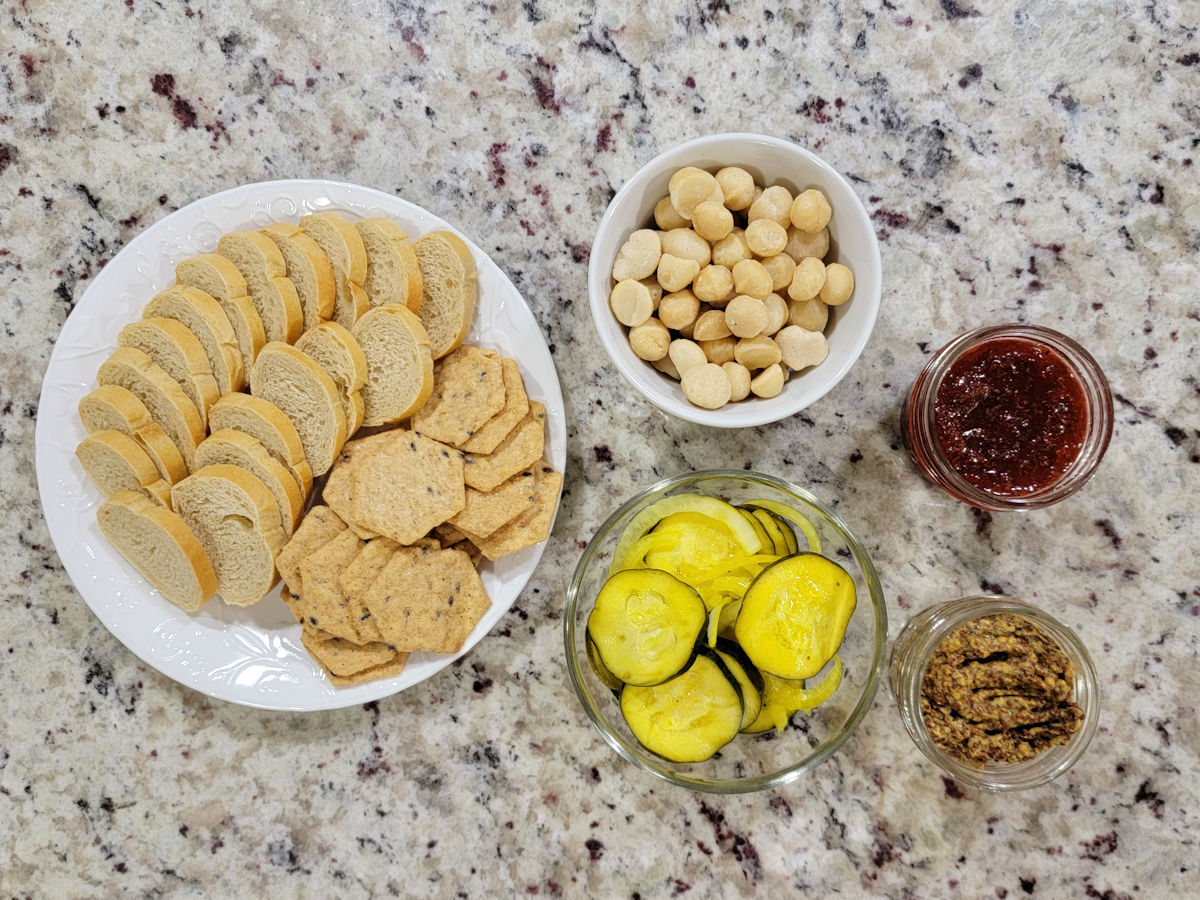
[{"x": 770, "y": 160}]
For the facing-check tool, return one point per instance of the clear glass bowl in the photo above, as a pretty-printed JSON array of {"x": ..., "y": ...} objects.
[
  {"x": 749, "y": 762},
  {"x": 917, "y": 421},
  {"x": 910, "y": 656}
]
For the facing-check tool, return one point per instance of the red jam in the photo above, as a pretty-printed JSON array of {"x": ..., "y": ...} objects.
[{"x": 1010, "y": 416}]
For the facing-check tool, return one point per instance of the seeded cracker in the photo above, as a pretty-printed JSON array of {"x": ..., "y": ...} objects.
[
  {"x": 532, "y": 526},
  {"x": 340, "y": 657},
  {"x": 407, "y": 485},
  {"x": 319, "y": 526},
  {"x": 432, "y": 605},
  {"x": 386, "y": 670},
  {"x": 516, "y": 404},
  {"x": 468, "y": 389},
  {"x": 320, "y": 602},
  {"x": 486, "y": 511},
  {"x": 357, "y": 577},
  {"x": 521, "y": 449}
]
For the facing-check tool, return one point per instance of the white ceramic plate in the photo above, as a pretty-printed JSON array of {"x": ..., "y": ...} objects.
[{"x": 251, "y": 655}]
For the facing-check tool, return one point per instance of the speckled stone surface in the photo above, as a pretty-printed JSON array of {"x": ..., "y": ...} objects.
[{"x": 1028, "y": 162}]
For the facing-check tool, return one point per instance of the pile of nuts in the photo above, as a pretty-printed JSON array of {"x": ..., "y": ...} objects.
[{"x": 730, "y": 293}]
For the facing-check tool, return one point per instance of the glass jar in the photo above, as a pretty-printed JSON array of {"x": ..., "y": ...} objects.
[
  {"x": 911, "y": 652},
  {"x": 1009, "y": 417}
]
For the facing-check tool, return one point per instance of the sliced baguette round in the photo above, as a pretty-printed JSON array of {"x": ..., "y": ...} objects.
[
  {"x": 393, "y": 273},
  {"x": 399, "y": 363},
  {"x": 205, "y": 318},
  {"x": 168, "y": 405},
  {"x": 336, "y": 350},
  {"x": 177, "y": 352},
  {"x": 236, "y": 519},
  {"x": 265, "y": 422},
  {"x": 449, "y": 289},
  {"x": 307, "y": 396},
  {"x": 273, "y": 293},
  {"x": 341, "y": 243},
  {"x": 220, "y": 279},
  {"x": 111, "y": 406},
  {"x": 236, "y": 448},
  {"x": 160, "y": 546},
  {"x": 116, "y": 462},
  {"x": 309, "y": 269}
]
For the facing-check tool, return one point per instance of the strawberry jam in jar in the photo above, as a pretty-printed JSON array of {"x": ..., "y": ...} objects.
[{"x": 1009, "y": 417}]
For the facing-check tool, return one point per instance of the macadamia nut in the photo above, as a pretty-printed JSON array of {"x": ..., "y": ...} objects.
[
  {"x": 685, "y": 354},
  {"x": 731, "y": 249},
  {"x": 686, "y": 244},
  {"x": 719, "y": 351},
  {"x": 738, "y": 187},
  {"x": 712, "y": 221},
  {"x": 650, "y": 340},
  {"x": 707, "y": 386},
  {"x": 714, "y": 284},
  {"x": 757, "y": 352},
  {"x": 667, "y": 216},
  {"x": 674, "y": 274},
  {"x": 746, "y": 316},
  {"x": 839, "y": 285},
  {"x": 775, "y": 203},
  {"x": 751, "y": 277},
  {"x": 711, "y": 326},
  {"x": 767, "y": 383},
  {"x": 667, "y": 367},
  {"x": 692, "y": 189},
  {"x": 810, "y": 211},
  {"x": 801, "y": 244},
  {"x": 739, "y": 380},
  {"x": 765, "y": 237},
  {"x": 777, "y": 313},
  {"x": 811, "y": 315},
  {"x": 780, "y": 267},
  {"x": 679, "y": 309},
  {"x": 638, "y": 256},
  {"x": 630, "y": 302},
  {"x": 800, "y": 348},
  {"x": 808, "y": 279}
]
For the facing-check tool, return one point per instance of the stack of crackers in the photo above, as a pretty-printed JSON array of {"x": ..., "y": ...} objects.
[{"x": 387, "y": 564}]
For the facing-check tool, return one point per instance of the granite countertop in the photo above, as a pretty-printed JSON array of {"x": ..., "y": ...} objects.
[{"x": 1030, "y": 162}]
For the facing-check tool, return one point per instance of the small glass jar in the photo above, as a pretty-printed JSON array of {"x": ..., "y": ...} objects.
[
  {"x": 977, "y": 463},
  {"x": 911, "y": 652}
]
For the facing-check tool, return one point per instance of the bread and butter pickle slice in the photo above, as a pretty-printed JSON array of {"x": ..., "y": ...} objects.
[
  {"x": 770, "y": 526},
  {"x": 781, "y": 697},
  {"x": 792, "y": 515},
  {"x": 645, "y": 625},
  {"x": 607, "y": 678},
  {"x": 749, "y": 679},
  {"x": 691, "y": 716},
  {"x": 794, "y": 615},
  {"x": 723, "y": 514}
]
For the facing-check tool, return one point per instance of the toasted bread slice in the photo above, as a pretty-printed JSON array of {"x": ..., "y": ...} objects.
[
  {"x": 236, "y": 520},
  {"x": 399, "y": 363},
  {"x": 272, "y": 292},
  {"x": 220, "y": 279},
  {"x": 177, "y": 352},
  {"x": 205, "y": 318},
  {"x": 168, "y": 405},
  {"x": 236, "y": 448},
  {"x": 342, "y": 244},
  {"x": 116, "y": 462},
  {"x": 159, "y": 544},
  {"x": 111, "y": 406},
  {"x": 306, "y": 394},
  {"x": 336, "y": 350},
  {"x": 319, "y": 526},
  {"x": 309, "y": 269},
  {"x": 449, "y": 289},
  {"x": 264, "y": 421},
  {"x": 393, "y": 273}
]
